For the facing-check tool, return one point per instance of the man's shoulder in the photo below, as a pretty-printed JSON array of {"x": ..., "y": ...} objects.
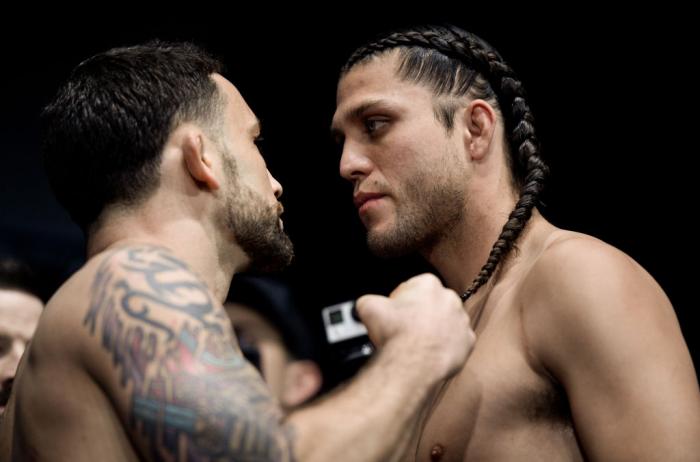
[
  {"x": 77, "y": 292},
  {"x": 147, "y": 284},
  {"x": 567, "y": 246},
  {"x": 135, "y": 261},
  {"x": 141, "y": 267},
  {"x": 136, "y": 281},
  {"x": 570, "y": 263},
  {"x": 58, "y": 331},
  {"x": 579, "y": 280},
  {"x": 581, "y": 289}
]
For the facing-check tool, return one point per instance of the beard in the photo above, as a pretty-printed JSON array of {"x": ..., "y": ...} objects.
[
  {"x": 256, "y": 227},
  {"x": 427, "y": 210}
]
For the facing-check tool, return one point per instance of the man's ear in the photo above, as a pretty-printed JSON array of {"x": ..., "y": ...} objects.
[
  {"x": 197, "y": 159},
  {"x": 302, "y": 380},
  {"x": 480, "y": 125}
]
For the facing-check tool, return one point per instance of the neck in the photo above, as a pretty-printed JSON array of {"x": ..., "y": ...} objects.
[
  {"x": 186, "y": 237},
  {"x": 461, "y": 254}
]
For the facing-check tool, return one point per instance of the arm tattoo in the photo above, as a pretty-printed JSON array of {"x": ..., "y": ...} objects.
[{"x": 193, "y": 396}]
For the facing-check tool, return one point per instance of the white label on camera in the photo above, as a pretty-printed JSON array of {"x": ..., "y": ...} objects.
[{"x": 340, "y": 324}]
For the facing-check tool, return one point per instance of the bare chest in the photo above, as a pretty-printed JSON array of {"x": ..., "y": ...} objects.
[{"x": 498, "y": 407}]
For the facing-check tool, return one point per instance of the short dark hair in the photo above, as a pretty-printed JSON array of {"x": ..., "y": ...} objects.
[
  {"x": 18, "y": 275},
  {"x": 104, "y": 131},
  {"x": 274, "y": 301}
]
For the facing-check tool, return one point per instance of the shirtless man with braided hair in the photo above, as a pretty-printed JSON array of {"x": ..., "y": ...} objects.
[{"x": 579, "y": 354}]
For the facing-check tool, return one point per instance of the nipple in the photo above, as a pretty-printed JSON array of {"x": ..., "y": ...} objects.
[{"x": 436, "y": 453}]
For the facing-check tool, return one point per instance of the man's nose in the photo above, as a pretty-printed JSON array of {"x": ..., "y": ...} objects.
[
  {"x": 354, "y": 163},
  {"x": 276, "y": 186}
]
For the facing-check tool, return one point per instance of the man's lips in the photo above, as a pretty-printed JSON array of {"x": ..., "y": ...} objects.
[{"x": 361, "y": 198}]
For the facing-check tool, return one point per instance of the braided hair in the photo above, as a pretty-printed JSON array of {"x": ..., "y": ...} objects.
[{"x": 453, "y": 62}]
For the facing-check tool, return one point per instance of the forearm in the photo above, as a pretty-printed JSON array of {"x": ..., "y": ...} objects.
[{"x": 374, "y": 419}]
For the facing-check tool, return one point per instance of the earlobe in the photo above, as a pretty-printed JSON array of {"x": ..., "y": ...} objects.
[
  {"x": 480, "y": 121},
  {"x": 198, "y": 160}
]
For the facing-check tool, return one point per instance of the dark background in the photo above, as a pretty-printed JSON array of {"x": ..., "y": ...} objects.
[{"x": 612, "y": 96}]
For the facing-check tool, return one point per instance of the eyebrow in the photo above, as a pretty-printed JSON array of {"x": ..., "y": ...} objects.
[{"x": 355, "y": 113}]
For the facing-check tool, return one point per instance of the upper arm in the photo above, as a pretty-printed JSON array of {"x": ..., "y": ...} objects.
[
  {"x": 604, "y": 329},
  {"x": 176, "y": 376}
]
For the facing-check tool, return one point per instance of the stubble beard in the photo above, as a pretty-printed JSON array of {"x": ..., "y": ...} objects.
[
  {"x": 256, "y": 228},
  {"x": 426, "y": 212}
]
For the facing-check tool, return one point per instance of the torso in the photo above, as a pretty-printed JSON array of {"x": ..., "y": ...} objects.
[{"x": 503, "y": 405}]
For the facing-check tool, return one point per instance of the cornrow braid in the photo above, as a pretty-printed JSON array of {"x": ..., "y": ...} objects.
[{"x": 528, "y": 168}]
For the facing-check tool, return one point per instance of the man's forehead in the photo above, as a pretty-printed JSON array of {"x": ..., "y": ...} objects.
[
  {"x": 376, "y": 75},
  {"x": 374, "y": 80},
  {"x": 19, "y": 307},
  {"x": 377, "y": 91}
]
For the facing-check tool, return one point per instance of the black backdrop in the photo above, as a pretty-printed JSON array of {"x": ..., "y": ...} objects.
[{"x": 610, "y": 95}]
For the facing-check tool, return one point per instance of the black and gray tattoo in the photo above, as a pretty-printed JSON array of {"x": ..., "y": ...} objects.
[{"x": 193, "y": 396}]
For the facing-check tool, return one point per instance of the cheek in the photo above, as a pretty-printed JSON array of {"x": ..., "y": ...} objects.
[
  {"x": 7, "y": 366},
  {"x": 257, "y": 182},
  {"x": 260, "y": 180},
  {"x": 266, "y": 192},
  {"x": 401, "y": 163}
]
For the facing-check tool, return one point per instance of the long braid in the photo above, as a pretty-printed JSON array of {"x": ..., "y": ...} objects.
[{"x": 528, "y": 168}]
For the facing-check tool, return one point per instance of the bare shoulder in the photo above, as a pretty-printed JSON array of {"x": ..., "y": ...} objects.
[
  {"x": 576, "y": 271},
  {"x": 147, "y": 284},
  {"x": 150, "y": 285},
  {"x": 142, "y": 302},
  {"x": 59, "y": 339},
  {"x": 134, "y": 353},
  {"x": 601, "y": 327},
  {"x": 166, "y": 354},
  {"x": 585, "y": 300},
  {"x": 59, "y": 406}
]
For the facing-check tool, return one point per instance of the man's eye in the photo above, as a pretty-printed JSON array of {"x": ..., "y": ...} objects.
[
  {"x": 259, "y": 142},
  {"x": 5, "y": 344},
  {"x": 372, "y": 125}
]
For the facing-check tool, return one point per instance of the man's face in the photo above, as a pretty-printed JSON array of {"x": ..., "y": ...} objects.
[
  {"x": 19, "y": 316},
  {"x": 407, "y": 171},
  {"x": 251, "y": 209}
]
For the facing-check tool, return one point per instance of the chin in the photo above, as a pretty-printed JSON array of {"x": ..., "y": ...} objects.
[{"x": 385, "y": 246}]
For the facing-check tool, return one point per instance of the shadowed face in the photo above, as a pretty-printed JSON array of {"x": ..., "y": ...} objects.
[
  {"x": 251, "y": 209},
  {"x": 407, "y": 171}
]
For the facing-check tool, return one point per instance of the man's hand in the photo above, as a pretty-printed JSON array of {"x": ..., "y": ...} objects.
[{"x": 424, "y": 317}]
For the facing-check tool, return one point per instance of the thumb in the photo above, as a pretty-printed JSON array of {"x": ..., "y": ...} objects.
[{"x": 372, "y": 310}]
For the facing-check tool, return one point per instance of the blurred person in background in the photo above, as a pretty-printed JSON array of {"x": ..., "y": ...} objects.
[
  {"x": 20, "y": 308},
  {"x": 274, "y": 338}
]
